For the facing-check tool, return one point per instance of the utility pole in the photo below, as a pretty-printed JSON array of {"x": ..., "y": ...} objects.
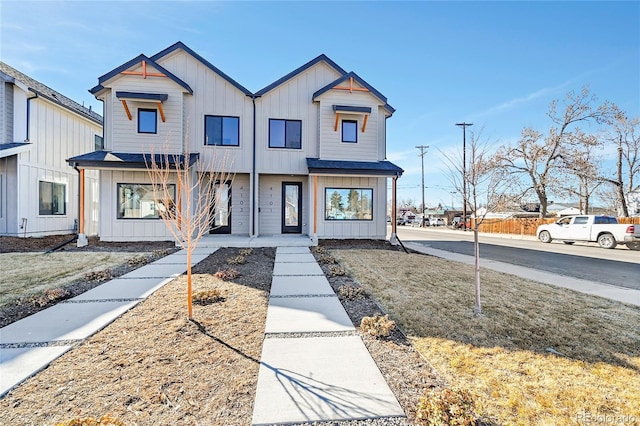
[
  {"x": 423, "y": 151},
  {"x": 464, "y": 172}
]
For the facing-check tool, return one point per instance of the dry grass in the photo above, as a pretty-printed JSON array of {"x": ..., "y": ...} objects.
[
  {"x": 503, "y": 356},
  {"x": 22, "y": 274}
]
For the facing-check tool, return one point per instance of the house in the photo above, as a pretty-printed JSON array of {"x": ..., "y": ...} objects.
[
  {"x": 308, "y": 150},
  {"x": 39, "y": 129}
]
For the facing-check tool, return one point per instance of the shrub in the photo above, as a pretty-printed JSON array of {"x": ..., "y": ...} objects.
[
  {"x": 450, "y": 406},
  {"x": 207, "y": 297},
  {"x": 350, "y": 292},
  {"x": 160, "y": 252},
  {"x": 103, "y": 275},
  {"x": 227, "y": 274},
  {"x": 327, "y": 259},
  {"x": 320, "y": 250},
  {"x": 246, "y": 252},
  {"x": 138, "y": 260},
  {"x": 237, "y": 260},
  {"x": 335, "y": 270},
  {"x": 50, "y": 295},
  {"x": 377, "y": 326},
  {"x": 107, "y": 420}
]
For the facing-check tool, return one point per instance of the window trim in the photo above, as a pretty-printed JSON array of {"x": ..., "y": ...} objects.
[
  {"x": 355, "y": 122},
  {"x": 221, "y": 117},
  {"x": 53, "y": 190},
  {"x": 327, "y": 191},
  {"x": 285, "y": 120},
  {"x": 118, "y": 214},
  {"x": 155, "y": 113}
]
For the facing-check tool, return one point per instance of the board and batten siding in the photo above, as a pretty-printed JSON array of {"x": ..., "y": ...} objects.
[
  {"x": 240, "y": 204},
  {"x": 9, "y": 195},
  {"x": 270, "y": 203},
  {"x": 375, "y": 228},
  {"x": 331, "y": 146},
  {"x": 291, "y": 100},
  {"x": 123, "y": 134},
  {"x": 213, "y": 95}
]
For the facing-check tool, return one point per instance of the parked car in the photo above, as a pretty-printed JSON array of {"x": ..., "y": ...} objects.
[
  {"x": 438, "y": 221},
  {"x": 605, "y": 230},
  {"x": 458, "y": 223}
]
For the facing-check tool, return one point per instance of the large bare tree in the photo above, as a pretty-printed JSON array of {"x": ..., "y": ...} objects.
[
  {"x": 538, "y": 156},
  {"x": 189, "y": 192}
]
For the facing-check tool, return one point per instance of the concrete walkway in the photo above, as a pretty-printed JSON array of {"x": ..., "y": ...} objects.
[
  {"x": 314, "y": 366},
  {"x": 29, "y": 345}
]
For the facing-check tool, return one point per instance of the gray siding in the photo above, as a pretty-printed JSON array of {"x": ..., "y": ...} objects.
[{"x": 270, "y": 203}]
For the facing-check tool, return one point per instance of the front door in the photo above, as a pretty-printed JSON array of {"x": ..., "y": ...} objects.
[
  {"x": 221, "y": 206},
  {"x": 291, "y": 207}
]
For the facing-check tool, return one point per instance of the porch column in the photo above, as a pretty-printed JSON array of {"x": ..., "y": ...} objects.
[
  {"x": 394, "y": 223},
  {"x": 82, "y": 237},
  {"x": 315, "y": 209}
]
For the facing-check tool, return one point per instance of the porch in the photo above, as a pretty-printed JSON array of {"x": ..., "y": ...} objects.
[{"x": 279, "y": 240}]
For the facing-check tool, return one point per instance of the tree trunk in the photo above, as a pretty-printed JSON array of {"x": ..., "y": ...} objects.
[
  {"x": 189, "y": 288},
  {"x": 476, "y": 245}
]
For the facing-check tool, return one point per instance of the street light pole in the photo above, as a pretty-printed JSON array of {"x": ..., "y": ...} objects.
[
  {"x": 423, "y": 151},
  {"x": 464, "y": 172}
]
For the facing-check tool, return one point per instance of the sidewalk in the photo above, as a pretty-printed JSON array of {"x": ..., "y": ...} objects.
[
  {"x": 29, "y": 345},
  {"x": 314, "y": 366}
]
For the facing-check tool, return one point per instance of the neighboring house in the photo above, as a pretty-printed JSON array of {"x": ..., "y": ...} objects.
[
  {"x": 39, "y": 129},
  {"x": 308, "y": 151}
]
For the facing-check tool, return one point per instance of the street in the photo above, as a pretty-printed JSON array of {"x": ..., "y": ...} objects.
[{"x": 620, "y": 266}]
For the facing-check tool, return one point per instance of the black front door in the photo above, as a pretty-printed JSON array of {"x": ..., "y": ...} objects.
[
  {"x": 291, "y": 207},
  {"x": 221, "y": 214}
]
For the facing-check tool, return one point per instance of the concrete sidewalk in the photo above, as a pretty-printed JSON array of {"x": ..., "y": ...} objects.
[
  {"x": 29, "y": 345},
  {"x": 314, "y": 366},
  {"x": 620, "y": 294}
]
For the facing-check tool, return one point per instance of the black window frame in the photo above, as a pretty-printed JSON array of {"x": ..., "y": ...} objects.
[
  {"x": 98, "y": 142},
  {"x": 221, "y": 117},
  {"x": 354, "y": 122},
  {"x": 286, "y": 121},
  {"x": 155, "y": 127},
  {"x": 119, "y": 211},
  {"x": 50, "y": 210}
]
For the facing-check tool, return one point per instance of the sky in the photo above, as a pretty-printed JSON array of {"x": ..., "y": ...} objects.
[{"x": 495, "y": 64}]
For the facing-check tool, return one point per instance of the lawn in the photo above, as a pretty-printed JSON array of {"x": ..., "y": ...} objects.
[{"x": 537, "y": 355}]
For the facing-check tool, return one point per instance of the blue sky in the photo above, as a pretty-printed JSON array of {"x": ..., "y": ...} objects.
[{"x": 495, "y": 64}]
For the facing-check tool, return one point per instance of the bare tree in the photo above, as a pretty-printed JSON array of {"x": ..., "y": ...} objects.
[
  {"x": 539, "y": 156},
  {"x": 488, "y": 189},
  {"x": 188, "y": 192}
]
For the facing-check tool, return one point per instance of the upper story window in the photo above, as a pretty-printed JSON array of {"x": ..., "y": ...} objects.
[
  {"x": 221, "y": 131},
  {"x": 285, "y": 133},
  {"x": 52, "y": 198},
  {"x": 147, "y": 120},
  {"x": 350, "y": 131},
  {"x": 98, "y": 142}
]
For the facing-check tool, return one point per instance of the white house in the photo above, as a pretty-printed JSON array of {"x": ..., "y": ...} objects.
[
  {"x": 39, "y": 129},
  {"x": 308, "y": 151}
]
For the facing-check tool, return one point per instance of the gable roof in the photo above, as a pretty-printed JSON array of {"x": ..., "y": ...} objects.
[
  {"x": 50, "y": 94},
  {"x": 361, "y": 81},
  {"x": 133, "y": 62},
  {"x": 294, "y": 73},
  {"x": 181, "y": 45}
]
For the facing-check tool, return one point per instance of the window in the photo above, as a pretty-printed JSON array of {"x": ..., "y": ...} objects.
[
  {"x": 285, "y": 134},
  {"x": 147, "y": 121},
  {"x": 52, "y": 198},
  {"x": 221, "y": 131},
  {"x": 580, "y": 220},
  {"x": 138, "y": 201},
  {"x": 98, "y": 142},
  {"x": 348, "y": 204},
  {"x": 349, "y": 131}
]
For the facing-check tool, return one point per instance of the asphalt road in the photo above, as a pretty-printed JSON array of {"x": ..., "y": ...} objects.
[{"x": 620, "y": 267}]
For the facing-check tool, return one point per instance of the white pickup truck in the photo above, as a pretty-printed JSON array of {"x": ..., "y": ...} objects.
[{"x": 604, "y": 229}]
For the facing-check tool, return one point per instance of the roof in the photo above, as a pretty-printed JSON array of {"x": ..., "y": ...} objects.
[
  {"x": 13, "y": 148},
  {"x": 134, "y": 62},
  {"x": 294, "y": 73},
  {"x": 50, "y": 94},
  {"x": 181, "y": 45},
  {"x": 377, "y": 168},
  {"x": 115, "y": 160},
  {"x": 361, "y": 81}
]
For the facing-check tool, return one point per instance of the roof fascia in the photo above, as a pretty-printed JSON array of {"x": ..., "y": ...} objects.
[{"x": 357, "y": 78}]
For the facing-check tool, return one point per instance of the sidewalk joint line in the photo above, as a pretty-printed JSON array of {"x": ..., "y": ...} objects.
[
  {"x": 51, "y": 343},
  {"x": 133, "y": 299},
  {"x": 310, "y": 334},
  {"x": 289, "y": 296}
]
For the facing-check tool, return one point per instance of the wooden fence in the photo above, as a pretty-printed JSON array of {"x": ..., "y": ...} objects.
[{"x": 528, "y": 226}]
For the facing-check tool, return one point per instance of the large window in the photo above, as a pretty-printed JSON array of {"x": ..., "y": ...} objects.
[
  {"x": 285, "y": 133},
  {"x": 349, "y": 131},
  {"x": 147, "y": 120},
  {"x": 221, "y": 131},
  {"x": 348, "y": 203},
  {"x": 52, "y": 198},
  {"x": 138, "y": 201}
]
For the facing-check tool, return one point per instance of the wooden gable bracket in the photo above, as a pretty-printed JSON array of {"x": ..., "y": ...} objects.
[
  {"x": 161, "y": 112},
  {"x": 350, "y": 88},
  {"x": 144, "y": 72},
  {"x": 364, "y": 124},
  {"x": 156, "y": 98},
  {"x": 126, "y": 109},
  {"x": 335, "y": 128}
]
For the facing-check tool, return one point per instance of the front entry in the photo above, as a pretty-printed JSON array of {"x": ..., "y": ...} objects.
[
  {"x": 221, "y": 214},
  {"x": 291, "y": 207}
]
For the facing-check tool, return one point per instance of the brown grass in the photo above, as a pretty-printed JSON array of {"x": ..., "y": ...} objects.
[{"x": 503, "y": 357}]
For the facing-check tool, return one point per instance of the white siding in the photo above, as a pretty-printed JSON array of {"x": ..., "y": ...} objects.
[
  {"x": 292, "y": 100},
  {"x": 9, "y": 196},
  {"x": 20, "y": 114},
  {"x": 270, "y": 203},
  {"x": 374, "y": 229},
  {"x": 240, "y": 204}
]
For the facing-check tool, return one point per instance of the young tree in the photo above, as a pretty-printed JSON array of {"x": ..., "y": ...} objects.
[
  {"x": 538, "y": 156},
  {"x": 197, "y": 187}
]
